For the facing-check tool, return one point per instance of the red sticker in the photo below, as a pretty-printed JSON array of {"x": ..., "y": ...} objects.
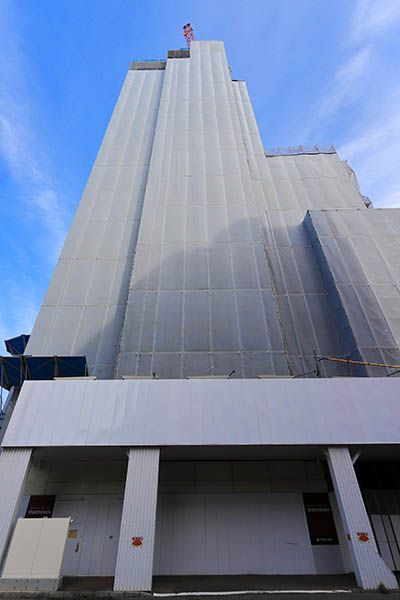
[
  {"x": 137, "y": 541},
  {"x": 363, "y": 536}
]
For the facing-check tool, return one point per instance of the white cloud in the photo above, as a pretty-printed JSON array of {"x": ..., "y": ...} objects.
[
  {"x": 372, "y": 18},
  {"x": 375, "y": 155},
  {"x": 22, "y": 147},
  {"x": 345, "y": 87},
  {"x": 361, "y": 102},
  {"x": 26, "y": 161},
  {"x": 373, "y": 148}
]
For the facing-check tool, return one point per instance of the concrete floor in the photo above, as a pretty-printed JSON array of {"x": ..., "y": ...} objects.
[
  {"x": 290, "y": 587},
  {"x": 295, "y": 587},
  {"x": 89, "y": 584},
  {"x": 222, "y": 583}
]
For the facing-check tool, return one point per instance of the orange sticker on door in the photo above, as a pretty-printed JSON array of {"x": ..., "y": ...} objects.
[
  {"x": 363, "y": 536},
  {"x": 137, "y": 541}
]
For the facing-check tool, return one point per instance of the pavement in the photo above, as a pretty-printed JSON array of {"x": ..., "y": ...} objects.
[
  {"x": 225, "y": 583},
  {"x": 218, "y": 587}
]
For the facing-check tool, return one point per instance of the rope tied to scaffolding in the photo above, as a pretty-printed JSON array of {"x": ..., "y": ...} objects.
[{"x": 359, "y": 362}]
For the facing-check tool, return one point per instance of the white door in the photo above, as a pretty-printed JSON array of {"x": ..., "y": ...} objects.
[
  {"x": 109, "y": 551},
  {"x": 76, "y": 508},
  {"x": 92, "y": 545}
]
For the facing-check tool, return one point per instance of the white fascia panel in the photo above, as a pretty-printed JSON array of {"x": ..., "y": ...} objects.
[{"x": 203, "y": 412}]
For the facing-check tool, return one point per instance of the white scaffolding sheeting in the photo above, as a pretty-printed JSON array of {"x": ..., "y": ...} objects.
[
  {"x": 189, "y": 254},
  {"x": 83, "y": 310},
  {"x": 283, "y": 188},
  {"x": 362, "y": 249},
  {"x": 201, "y": 301}
]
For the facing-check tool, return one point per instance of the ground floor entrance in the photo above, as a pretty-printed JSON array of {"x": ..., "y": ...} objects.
[
  {"x": 221, "y": 513},
  {"x": 202, "y": 534},
  {"x": 92, "y": 542}
]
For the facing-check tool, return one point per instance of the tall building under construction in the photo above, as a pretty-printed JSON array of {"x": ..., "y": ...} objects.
[{"x": 210, "y": 386}]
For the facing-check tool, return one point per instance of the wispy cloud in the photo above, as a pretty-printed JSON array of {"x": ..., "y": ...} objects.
[
  {"x": 21, "y": 151},
  {"x": 25, "y": 162},
  {"x": 361, "y": 101},
  {"x": 375, "y": 154},
  {"x": 374, "y": 150},
  {"x": 372, "y": 18},
  {"x": 345, "y": 87}
]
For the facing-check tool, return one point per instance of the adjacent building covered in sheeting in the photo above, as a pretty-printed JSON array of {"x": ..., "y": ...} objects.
[{"x": 235, "y": 315}]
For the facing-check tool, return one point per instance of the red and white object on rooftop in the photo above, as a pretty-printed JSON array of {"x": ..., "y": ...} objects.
[{"x": 188, "y": 33}]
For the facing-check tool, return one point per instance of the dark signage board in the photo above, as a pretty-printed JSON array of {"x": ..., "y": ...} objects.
[
  {"x": 40, "y": 506},
  {"x": 321, "y": 525}
]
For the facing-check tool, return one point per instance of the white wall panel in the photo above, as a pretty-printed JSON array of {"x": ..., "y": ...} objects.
[
  {"x": 159, "y": 412},
  {"x": 212, "y": 534}
]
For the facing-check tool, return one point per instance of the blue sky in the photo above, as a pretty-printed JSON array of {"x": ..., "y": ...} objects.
[{"x": 318, "y": 71}]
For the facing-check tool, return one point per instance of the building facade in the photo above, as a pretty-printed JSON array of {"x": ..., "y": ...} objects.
[{"x": 239, "y": 313}]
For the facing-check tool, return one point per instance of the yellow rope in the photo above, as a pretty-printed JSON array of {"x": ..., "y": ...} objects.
[{"x": 359, "y": 362}]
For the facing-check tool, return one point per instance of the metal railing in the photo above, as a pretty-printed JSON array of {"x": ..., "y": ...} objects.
[
  {"x": 149, "y": 60},
  {"x": 292, "y": 150}
]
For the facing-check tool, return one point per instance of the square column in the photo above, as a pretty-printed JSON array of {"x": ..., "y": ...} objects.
[
  {"x": 134, "y": 569},
  {"x": 14, "y": 467},
  {"x": 369, "y": 567}
]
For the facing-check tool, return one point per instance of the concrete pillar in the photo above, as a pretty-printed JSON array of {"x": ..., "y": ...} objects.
[
  {"x": 14, "y": 467},
  {"x": 134, "y": 569},
  {"x": 369, "y": 567},
  {"x": 343, "y": 541}
]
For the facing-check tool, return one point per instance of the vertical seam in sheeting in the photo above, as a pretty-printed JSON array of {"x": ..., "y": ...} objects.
[
  {"x": 158, "y": 79},
  {"x": 235, "y": 289},
  {"x": 171, "y": 79},
  {"x": 196, "y": 56},
  {"x": 316, "y": 340},
  {"x": 185, "y": 67},
  {"x": 243, "y": 123},
  {"x": 245, "y": 130},
  {"x": 235, "y": 88}
]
